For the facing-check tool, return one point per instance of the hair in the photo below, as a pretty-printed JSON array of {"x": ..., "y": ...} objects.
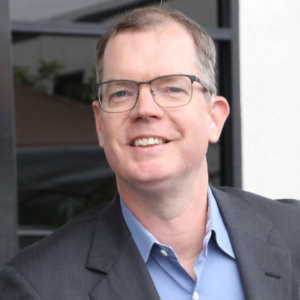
[{"x": 147, "y": 18}]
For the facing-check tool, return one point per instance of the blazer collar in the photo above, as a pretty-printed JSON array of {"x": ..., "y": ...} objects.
[
  {"x": 264, "y": 262},
  {"x": 123, "y": 274}
]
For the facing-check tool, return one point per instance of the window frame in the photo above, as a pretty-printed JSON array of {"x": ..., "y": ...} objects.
[{"x": 226, "y": 34}]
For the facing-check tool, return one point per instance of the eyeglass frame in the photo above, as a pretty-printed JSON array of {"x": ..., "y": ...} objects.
[{"x": 192, "y": 78}]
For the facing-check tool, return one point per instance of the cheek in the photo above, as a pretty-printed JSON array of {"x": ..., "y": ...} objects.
[
  {"x": 110, "y": 151},
  {"x": 109, "y": 125},
  {"x": 104, "y": 134},
  {"x": 111, "y": 139},
  {"x": 106, "y": 139},
  {"x": 197, "y": 135}
]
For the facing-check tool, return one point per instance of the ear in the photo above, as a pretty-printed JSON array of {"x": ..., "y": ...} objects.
[
  {"x": 219, "y": 111},
  {"x": 98, "y": 121}
]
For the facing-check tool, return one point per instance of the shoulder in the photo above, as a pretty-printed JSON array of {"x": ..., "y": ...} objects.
[
  {"x": 65, "y": 252},
  {"x": 266, "y": 205},
  {"x": 71, "y": 237},
  {"x": 283, "y": 214},
  {"x": 66, "y": 248}
]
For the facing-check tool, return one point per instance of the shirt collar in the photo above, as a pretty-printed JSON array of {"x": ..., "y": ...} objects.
[
  {"x": 216, "y": 224},
  {"x": 145, "y": 240}
]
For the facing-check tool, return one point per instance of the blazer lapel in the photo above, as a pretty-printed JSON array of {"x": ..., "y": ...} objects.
[
  {"x": 264, "y": 262},
  {"x": 113, "y": 253}
]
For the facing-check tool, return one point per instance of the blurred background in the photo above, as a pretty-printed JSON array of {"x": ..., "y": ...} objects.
[{"x": 51, "y": 166}]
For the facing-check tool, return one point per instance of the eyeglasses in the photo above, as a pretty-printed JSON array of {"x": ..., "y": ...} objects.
[{"x": 167, "y": 91}]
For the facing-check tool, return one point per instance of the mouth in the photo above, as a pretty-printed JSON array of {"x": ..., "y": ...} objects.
[{"x": 148, "y": 141}]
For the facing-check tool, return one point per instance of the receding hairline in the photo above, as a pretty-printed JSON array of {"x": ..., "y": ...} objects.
[
  {"x": 159, "y": 26},
  {"x": 154, "y": 18},
  {"x": 143, "y": 19},
  {"x": 159, "y": 34}
]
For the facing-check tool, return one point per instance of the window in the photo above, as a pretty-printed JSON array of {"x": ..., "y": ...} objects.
[{"x": 56, "y": 141}]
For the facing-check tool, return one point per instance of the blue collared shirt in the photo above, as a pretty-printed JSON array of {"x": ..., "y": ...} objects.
[{"x": 216, "y": 267}]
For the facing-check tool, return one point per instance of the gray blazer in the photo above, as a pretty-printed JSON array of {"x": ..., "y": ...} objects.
[{"x": 95, "y": 257}]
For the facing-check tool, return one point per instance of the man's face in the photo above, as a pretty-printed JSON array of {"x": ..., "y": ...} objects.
[{"x": 184, "y": 131}]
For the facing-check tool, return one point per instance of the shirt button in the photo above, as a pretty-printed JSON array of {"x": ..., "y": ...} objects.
[
  {"x": 195, "y": 296},
  {"x": 163, "y": 252}
]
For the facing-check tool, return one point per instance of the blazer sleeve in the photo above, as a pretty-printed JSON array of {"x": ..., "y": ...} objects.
[{"x": 14, "y": 286}]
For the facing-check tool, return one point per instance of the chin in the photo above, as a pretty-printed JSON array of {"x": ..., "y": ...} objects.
[
  {"x": 152, "y": 177},
  {"x": 149, "y": 178}
]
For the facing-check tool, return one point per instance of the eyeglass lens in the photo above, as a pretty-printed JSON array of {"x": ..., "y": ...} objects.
[{"x": 168, "y": 91}]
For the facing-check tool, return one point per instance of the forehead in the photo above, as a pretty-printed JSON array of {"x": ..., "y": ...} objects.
[{"x": 164, "y": 49}]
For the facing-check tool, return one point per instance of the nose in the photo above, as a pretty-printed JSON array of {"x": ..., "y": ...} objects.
[{"x": 146, "y": 107}]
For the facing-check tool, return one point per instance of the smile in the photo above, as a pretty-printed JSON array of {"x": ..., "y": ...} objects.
[{"x": 148, "y": 141}]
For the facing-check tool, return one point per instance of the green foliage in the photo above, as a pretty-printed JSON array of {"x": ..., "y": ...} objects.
[
  {"x": 48, "y": 70},
  {"x": 22, "y": 76},
  {"x": 86, "y": 92},
  {"x": 46, "y": 75}
]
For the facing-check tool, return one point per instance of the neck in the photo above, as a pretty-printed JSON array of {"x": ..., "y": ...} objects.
[{"x": 176, "y": 215}]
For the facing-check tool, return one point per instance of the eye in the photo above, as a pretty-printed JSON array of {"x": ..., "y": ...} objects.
[
  {"x": 174, "y": 90},
  {"x": 119, "y": 90},
  {"x": 119, "y": 94},
  {"x": 173, "y": 87}
]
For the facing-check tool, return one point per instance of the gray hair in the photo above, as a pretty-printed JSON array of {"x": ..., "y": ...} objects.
[{"x": 149, "y": 17}]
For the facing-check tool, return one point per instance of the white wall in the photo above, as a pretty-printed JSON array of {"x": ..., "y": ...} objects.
[{"x": 270, "y": 96}]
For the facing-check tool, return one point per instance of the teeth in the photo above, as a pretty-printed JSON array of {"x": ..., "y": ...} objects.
[{"x": 148, "y": 141}]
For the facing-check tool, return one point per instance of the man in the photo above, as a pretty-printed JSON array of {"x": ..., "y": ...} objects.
[{"x": 168, "y": 235}]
